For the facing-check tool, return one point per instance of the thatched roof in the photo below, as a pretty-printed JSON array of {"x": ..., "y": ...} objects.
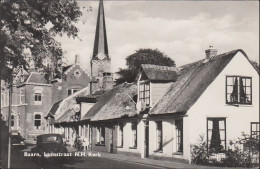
[
  {"x": 114, "y": 103},
  {"x": 159, "y": 73},
  {"x": 192, "y": 81}
]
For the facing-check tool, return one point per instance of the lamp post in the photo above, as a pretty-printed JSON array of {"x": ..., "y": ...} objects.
[{"x": 9, "y": 120}]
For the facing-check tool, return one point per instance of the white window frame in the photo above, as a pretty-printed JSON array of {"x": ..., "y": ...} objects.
[
  {"x": 34, "y": 126},
  {"x": 12, "y": 120},
  {"x": 159, "y": 141},
  {"x": 120, "y": 142},
  {"x": 73, "y": 90},
  {"x": 21, "y": 95},
  {"x": 101, "y": 139},
  {"x": 38, "y": 102},
  {"x": 134, "y": 134},
  {"x": 145, "y": 92}
]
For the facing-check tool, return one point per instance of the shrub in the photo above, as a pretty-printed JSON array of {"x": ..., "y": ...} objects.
[
  {"x": 241, "y": 153},
  {"x": 199, "y": 153}
]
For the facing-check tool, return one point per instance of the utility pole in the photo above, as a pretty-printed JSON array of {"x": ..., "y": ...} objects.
[{"x": 9, "y": 120}]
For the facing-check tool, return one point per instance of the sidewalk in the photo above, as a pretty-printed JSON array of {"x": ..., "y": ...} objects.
[{"x": 150, "y": 162}]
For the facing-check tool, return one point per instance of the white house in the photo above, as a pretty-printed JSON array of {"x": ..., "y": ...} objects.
[
  {"x": 217, "y": 97},
  {"x": 168, "y": 109}
]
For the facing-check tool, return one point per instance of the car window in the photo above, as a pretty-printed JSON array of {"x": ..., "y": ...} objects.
[{"x": 51, "y": 139}]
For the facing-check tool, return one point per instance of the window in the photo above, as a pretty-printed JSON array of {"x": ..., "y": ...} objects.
[
  {"x": 12, "y": 120},
  {"x": 120, "y": 135},
  {"x": 21, "y": 96},
  {"x": 255, "y": 129},
  {"x": 18, "y": 120},
  {"x": 216, "y": 134},
  {"x": 144, "y": 92},
  {"x": 134, "y": 134},
  {"x": 179, "y": 135},
  {"x": 37, "y": 120},
  {"x": 37, "y": 97},
  {"x": 101, "y": 135},
  {"x": 238, "y": 90},
  {"x": 159, "y": 135},
  {"x": 71, "y": 91}
]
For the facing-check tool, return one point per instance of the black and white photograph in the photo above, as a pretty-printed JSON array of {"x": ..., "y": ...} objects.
[{"x": 129, "y": 84}]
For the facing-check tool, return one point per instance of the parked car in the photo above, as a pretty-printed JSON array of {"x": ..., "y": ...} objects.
[
  {"x": 47, "y": 144},
  {"x": 17, "y": 140}
]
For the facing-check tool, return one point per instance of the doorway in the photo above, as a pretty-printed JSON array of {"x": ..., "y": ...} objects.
[{"x": 146, "y": 139}]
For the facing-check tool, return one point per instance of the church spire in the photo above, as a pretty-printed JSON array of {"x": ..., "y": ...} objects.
[{"x": 100, "y": 51}]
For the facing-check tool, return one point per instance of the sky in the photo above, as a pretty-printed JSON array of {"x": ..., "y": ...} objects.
[{"x": 183, "y": 30}]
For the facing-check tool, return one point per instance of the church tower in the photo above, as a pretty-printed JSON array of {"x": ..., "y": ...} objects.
[{"x": 100, "y": 61}]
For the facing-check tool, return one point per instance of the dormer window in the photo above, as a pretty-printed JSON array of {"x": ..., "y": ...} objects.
[
  {"x": 238, "y": 90},
  {"x": 144, "y": 92}
]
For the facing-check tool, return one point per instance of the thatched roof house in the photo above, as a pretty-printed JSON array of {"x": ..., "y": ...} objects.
[
  {"x": 192, "y": 81},
  {"x": 115, "y": 103}
]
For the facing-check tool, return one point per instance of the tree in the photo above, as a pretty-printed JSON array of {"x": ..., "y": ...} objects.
[
  {"x": 142, "y": 56},
  {"x": 255, "y": 64},
  {"x": 28, "y": 28}
]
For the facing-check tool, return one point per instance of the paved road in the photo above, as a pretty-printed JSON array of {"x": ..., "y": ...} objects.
[{"x": 19, "y": 161}]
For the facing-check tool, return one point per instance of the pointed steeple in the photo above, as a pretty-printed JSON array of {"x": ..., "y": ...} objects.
[{"x": 100, "y": 51}]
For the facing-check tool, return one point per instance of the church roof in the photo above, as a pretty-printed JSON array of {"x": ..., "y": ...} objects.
[{"x": 100, "y": 43}]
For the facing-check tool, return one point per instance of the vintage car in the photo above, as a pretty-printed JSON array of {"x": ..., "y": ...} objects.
[
  {"x": 49, "y": 147},
  {"x": 17, "y": 140}
]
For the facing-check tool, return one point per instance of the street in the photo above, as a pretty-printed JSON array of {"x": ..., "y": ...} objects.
[{"x": 20, "y": 161}]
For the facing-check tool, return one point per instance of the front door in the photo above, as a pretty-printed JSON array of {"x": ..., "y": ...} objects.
[{"x": 146, "y": 139}]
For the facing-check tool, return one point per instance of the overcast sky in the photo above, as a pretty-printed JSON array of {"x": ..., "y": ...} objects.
[{"x": 181, "y": 29}]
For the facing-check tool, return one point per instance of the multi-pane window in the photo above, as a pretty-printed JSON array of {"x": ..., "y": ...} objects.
[
  {"x": 179, "y": 135},
  {"x": 37, "y": 97},
  {"x": 37, "y": 120},
  {"x": 21, "y": 96},
  {"x": 12, "y": 120},
  {"x": 134, "y": 134},
  {"x": 255, "y": 129},
  {"x": 101, "y": 135},
  {"x": 159, "y": 138},
  {"x": 216, "y": 134},
  {"x": 238, "y": 90},
  {"x": 71, "y": 91},
  {"x": 144, "y": 92},
  {"x": 120, "y": 135}
]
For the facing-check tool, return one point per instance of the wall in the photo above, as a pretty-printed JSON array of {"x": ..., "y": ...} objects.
[
  {"x": 98, "y": 67},
  {"x": 110, "y": 138},
  {"x": 32, "y": 108},
  {"x": 127, "y": 142},
  {"x": 212, "y": 103},
  {"x": 158, "y": 90},
  {"x": 61, "y": 87},
  {"x": 169, "y": 150}
]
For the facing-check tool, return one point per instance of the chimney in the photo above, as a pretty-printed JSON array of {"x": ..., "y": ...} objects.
[
  {"x": 210, "y": 52},
  {"x": 107, "y": 81},
  {"x": 76, "y": 59}
]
